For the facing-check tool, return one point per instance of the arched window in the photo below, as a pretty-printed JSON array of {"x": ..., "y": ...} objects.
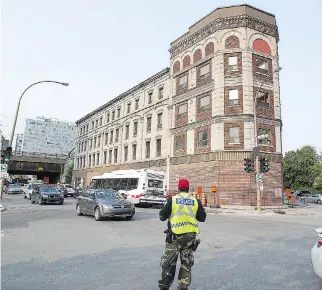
[
  {"x": 176, "y": 67},
  {"x": 232, "y": 42},
  {"x": 261, "y": 46},
  {"x": 210, "y": 48},
  {"x": 186, "y": 61},
  {"x": 197, "y": 55}
]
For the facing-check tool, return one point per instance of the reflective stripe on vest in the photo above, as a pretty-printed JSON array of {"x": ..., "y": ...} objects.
[{"x": 183, "y": 217}]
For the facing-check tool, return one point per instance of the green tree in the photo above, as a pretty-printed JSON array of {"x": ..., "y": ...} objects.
[
  {"x": 301, "y": 168},
  {"x": 69, "y": 175}
]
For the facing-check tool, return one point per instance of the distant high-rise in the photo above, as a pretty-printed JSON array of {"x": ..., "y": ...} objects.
[
  {"x": 49, "y": 136},
  {"x": 18, "y": 147}
]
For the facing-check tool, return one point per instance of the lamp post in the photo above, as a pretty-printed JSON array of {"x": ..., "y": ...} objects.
[
  {"x": 257, "y": 169},
  {"x": 18, "y": 106},
  {"x": 62, "y": 153}
]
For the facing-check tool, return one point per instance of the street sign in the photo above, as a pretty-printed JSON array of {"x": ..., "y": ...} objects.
[
  {"x": 259, "y": 178},
  {"x": 4, "y": 168},
  {"x": 214, "y": 189}
]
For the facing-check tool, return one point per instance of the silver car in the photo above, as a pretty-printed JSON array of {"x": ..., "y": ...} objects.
[{"x": 104, "y": 203}]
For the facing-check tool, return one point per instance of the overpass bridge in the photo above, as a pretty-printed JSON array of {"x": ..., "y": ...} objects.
[{"x": 42, "y": 165}]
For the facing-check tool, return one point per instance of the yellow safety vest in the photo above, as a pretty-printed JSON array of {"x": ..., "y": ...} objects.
[{"x": 183, "y": 216}]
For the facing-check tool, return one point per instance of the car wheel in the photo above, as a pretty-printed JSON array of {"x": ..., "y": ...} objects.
[
  {"x": 40, "y": 201},
  {"x": 24, "y": 197},
  {"x": 319, "y": 201},
  {"x": 128, "y": 217},
  {"x": 32, "y": 201},
  {"x": 78, "y": 210},
  {"x": 97, "y": 214},
  {"x": 61, "y": 202}
]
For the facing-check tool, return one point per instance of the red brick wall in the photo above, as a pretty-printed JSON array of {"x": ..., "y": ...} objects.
[
  {"x": 176, "y": 67},
  {"x": 235, "y": 186},
  {"x": 209, "y": 49},
  {"x": 186, "y": 61},
  {"x": 205, "y": 114},
  {"x": 184, "y": 150},
  {"x": 183, "y": 120},
  {"x": 235, "y": 108},
  {"x": 197, "y": 55},
  {"x": 232, "y": 42}
]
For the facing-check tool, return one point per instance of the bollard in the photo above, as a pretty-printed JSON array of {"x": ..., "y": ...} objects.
[{"x": 203, "y": 199}]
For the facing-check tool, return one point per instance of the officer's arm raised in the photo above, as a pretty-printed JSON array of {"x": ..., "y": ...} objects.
[{"x": 165, "y": 212}]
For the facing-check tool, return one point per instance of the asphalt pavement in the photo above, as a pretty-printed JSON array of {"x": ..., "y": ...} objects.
[{"x": 50, "y": 247}]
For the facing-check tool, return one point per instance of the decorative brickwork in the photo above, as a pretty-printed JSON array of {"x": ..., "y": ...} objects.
[
  {"x": 260, "y": 73},
  {"x": 204, "y": 112},
  {"x": 182, "y": 118},
  {"x": 268, "y": 147},
  {"x": 232, "y": 42},
  {"x": 180, "y": 144},
  {"x": 229, "y": 70},
  {"x": 199, "y": 145},
  {"x": 176, "y": 67},
  {"x": 209, "y": 49},
  {"x": 261, "y": 46},
  {"x": 234, "y": 107},
  {"x": 234, "y": 145},
  {"x": 197, "y": 55},
  {"x": 264, "y": 105},
  {"x": 186, "y": 61}
]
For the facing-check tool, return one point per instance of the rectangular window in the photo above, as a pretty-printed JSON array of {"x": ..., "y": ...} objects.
[
  {"x": 134, "y": 151},
  {"x": 147, "y": 149},
  {"x": 160, "y": 93},
  {"x": 115, "y": 155},
  {"x": 93, "y": 159},
  {"x": 105, "y": 157},
  {"x": 82, "y": 146},
  {"x": 117, "y": 132},
  {"x": 110, "y": 156},
  {"x": 86, "y": 128},
  {"x": 98, "y": 159},
  {"x": 108, "y": 117},
  {"x": 98, "y": 140},
  {"x": 127, "y": 131},
  {"x": 113, "y": 115},
  {"x": 233, "y": 63},
  {"x": 125, "y": 153},
  {"x": 179, "y": 142},
  {"x": 92, "y": 125},
  {"x": 234, "y": 135},
  {"x": 233, "y": 97},
  {"x": 182, "y": 111},
  {"x": 106, "y": 138},
  {"x": 264, "y": 137},
  {"x": 263, "y": 100},
  {"x": 90, "y": 143},
  {"x": 128, "y": 108},
  {"x": 135, "y": 129},
  {"x": 150, "y": 97},
  {"x": 89, "y": 160},
  {"x": 118, "y": 112},
  {"x": 263, "y": 65},
  {"x": 96, "y": 124},
  {"x": 101, "y": 121},
  {"x": 204, "y": 72},
  {"x": 148, "y": 124},
  {"x": 158, "y": 147},
  {"x": 78, "y": 163},
  {"x": 111, "y": 137},
  {"x": 204, "y": 103},
  {"x": 84, "y": 161},
  {"x": 85, "y": 145},
  {"x": 136, "y": 104},
  {"x": 203, "y": 138},
  {"x": 160, "y": 121},
  {"x": 81, "y": 131},
  {"x": 94, "y": 145},
  {"x": 183, "y": 82}
]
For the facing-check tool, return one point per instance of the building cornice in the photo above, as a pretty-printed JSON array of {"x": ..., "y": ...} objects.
[{"x": 225, "y": 23}]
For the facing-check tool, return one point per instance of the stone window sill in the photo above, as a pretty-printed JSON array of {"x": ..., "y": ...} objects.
[
  {"x": 234, "y": 143},
  {"x": 233, "y": 106}
]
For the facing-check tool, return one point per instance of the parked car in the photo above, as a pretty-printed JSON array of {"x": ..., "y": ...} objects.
[
  {"x": 47, "y": 194},
  {"x": 70, "y": 190},
  {"x": 104, "y": 204},
  {"x": 317, "y": 198},
  {"x": 13, "y": 188},
  {"x": 316, "y": 254},
  {"x": 78, "y": 191},
  {"x": 63, "y": 190},
  {"x": 29, "y": 189}
]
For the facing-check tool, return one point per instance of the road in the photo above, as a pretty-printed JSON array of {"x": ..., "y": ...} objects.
[{"x": 49, "y": 247}]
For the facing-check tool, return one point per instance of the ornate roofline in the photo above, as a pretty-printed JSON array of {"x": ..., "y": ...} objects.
[
  {"x": 123, "y": 95},
  {"x": 225, "y": 23}
]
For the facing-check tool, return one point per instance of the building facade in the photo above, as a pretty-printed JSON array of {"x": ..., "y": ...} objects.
[
  {"x": 18, "y": 146},
  {"x": 222, "y": 71},
  {"x": 48, "y": 136}
]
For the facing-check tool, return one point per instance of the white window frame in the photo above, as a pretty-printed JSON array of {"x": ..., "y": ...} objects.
[
  {"x": 264, "y": 141},
  {"x": 204, "y": 75},
  {"x": 232, "y": 63},
  {"x": 234, "y": 139},
  {"x": 203, "y": 142},
  {"x": 233, "y": 97}
]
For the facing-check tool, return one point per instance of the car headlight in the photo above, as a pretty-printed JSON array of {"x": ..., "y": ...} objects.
[
  {"x": 45, "y": 195},
  {"x": 107, "y": 206}
]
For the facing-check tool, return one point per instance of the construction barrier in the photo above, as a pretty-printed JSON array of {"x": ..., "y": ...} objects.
[{"x": 203, "y": 199}]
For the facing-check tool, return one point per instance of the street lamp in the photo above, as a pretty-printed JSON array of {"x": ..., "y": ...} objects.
[
  {"x": 18, "y": 106},
  {"x": 258, "y": 191},
  {"x": 62, "y": 153}
]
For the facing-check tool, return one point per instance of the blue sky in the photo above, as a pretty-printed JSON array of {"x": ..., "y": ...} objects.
[{"x": 103, "y": 48}]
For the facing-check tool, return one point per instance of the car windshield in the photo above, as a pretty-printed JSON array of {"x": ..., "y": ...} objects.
[
  {"x": 108, "y": 194},
  {"x": 14, "y": 185},
  {"x": 48, "y": 188}
]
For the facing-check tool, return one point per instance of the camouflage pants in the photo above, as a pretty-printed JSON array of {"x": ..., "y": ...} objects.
[{"x": 180, "y": 246}]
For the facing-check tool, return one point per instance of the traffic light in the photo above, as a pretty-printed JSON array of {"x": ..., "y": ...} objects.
[
  {"x": 6, "y": 154},
  {"x": 264, "y": 166},
  {"x": 3, "y": 156},
  {"x": 249, "y": 165}
]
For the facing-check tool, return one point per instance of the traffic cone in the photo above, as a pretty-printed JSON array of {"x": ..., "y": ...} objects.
[{"x": 204, "y": 199}]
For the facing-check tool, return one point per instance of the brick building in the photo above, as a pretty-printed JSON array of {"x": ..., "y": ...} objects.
[{"x": 218, "y": 68}]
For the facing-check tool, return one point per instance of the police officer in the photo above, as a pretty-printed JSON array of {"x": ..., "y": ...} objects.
[{"x": 182, "y": 211}]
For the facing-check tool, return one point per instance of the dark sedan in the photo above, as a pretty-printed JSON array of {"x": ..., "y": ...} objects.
[
  {"x": 13, "y": 188},
  {"x": 47, "y": 194},
  {"x": 104, "y": 204}
]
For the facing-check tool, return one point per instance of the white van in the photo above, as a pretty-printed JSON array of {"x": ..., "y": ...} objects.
[{"x": 140, "y": 186}]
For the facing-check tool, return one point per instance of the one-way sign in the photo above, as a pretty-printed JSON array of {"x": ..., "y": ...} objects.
[{"x": 3, "y": 168}]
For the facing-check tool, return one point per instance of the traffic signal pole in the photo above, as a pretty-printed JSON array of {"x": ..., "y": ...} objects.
[{"x": 257, "y": 169}]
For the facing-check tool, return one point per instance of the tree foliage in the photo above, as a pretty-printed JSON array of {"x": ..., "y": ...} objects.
[
  {"x": 302, "y": 168},
  {"x": 69, "y": 175}
]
